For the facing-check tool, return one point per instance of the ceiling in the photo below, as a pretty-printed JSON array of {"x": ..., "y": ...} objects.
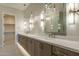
[{"x": 18, "y": 6}]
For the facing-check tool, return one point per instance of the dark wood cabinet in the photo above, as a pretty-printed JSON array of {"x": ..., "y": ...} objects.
[
  {"x": 30, "y": 46},
  {"x": 39, "y": 48},
  {"x": 20, "y": 39},
  {"x": 44, "y": 49},
  {"x": 36, "y": 48},
  {"x": 27, "y": 43},
  {"x": 58, "y": 51}
]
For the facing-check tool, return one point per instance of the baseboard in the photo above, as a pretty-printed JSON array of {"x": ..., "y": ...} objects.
[{"x": 24, "y": 52}]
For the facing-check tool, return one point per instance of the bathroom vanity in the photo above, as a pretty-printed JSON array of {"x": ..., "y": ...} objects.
[{"x": 41, "y": 46}]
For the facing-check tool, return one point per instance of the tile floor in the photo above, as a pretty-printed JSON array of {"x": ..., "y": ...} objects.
[{"x": 10, "y": 49}]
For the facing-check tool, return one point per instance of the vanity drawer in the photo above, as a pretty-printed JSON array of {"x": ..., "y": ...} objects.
[{"x": 58, "y": 51}]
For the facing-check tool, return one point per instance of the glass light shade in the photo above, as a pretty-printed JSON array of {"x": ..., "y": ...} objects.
[
  {"x": 42, "y": 16},
  {"x": 25, "y": 23},
  {"x": 42, "y": 25},
  {"x": 71, "y": 18},
  {"x": 31, "y": 26},
  {"x": 31, "y": 21}
]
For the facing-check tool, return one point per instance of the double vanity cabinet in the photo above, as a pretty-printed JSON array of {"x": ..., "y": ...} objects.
[{"x": 36, "y": 47}]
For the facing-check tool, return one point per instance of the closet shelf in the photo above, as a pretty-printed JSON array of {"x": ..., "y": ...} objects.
[
  {"x": 8, "y": 24},
  {"x": 9, "y": 32}
]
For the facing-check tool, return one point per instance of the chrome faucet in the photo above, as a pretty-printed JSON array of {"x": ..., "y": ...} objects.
[{"x": 51, "y": 35}]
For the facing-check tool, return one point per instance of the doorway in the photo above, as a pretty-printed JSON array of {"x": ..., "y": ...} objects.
[
  {"x": 9, "y": 47},
  {"x": 9, "y": 29}
]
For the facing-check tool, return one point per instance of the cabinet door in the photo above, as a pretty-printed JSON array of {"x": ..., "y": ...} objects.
[
  {"x": 23, "y": 41},
  {"x": 19, "y": 38},
  {"x": 36, "y": 48},
  {"x": 44, "y": 49},
  {"x": 58, "y": 51},
  {"x": 26, "y": 44},
  {"x": 31, "y": 46}
]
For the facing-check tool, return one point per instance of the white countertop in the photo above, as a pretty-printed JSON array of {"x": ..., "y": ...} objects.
[{"x": 66, "y": 44}]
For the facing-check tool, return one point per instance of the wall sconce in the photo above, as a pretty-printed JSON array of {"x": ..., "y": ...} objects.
[
  {"x": 71, "y": 19},
  {"x": 31, "y": 21},
  {"x": 42, "y": 15},
  {"x": 42, "y": 25},
  {"x": 72, "y": 13},
  {"x": 25, "y": 25},
  {"x": 42, "y": 20}
]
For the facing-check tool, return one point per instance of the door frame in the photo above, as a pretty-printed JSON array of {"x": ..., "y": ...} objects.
[{"x": 3, "y": 27}]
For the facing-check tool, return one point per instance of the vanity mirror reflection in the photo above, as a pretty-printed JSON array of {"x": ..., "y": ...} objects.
[{"x": 55, "y": 19}]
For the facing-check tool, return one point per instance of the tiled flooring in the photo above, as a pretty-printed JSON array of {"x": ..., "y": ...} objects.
[{"x": 10, "y": 49}]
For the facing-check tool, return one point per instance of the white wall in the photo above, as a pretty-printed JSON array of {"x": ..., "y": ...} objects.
[
  {"x": 18, "y": 18},
  {"x": 73, "y": 30}
]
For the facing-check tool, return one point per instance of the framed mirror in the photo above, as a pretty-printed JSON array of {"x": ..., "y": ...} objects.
[{"x": 55, "y": 19}]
